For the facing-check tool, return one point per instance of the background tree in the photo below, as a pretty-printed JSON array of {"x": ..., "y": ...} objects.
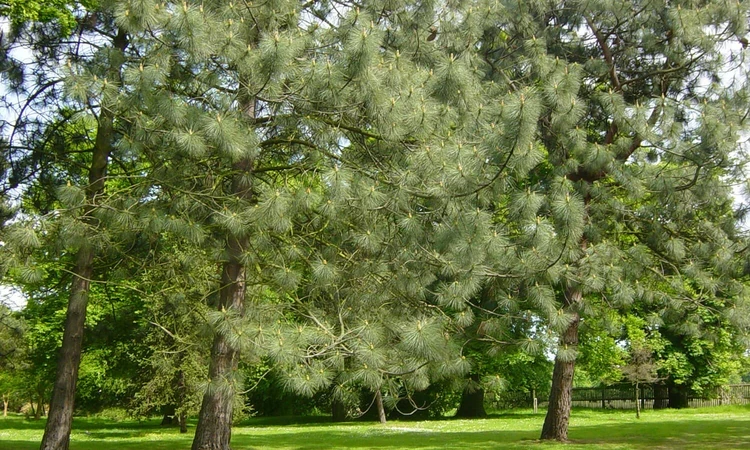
[
  {"x": 91, "y": 86},
  {"x": 12, "y": 357},
  {"x": 600, "y": 352},
  {"x": 641, "y": 367}
]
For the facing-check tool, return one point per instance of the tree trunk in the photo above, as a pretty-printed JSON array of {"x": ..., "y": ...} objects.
[
  {"x": 472, "y": 400},
  {"x": 678, "y": 396},
  {"x": 560, "y": 398},
  {"x": 379, "y": 405},
  {"x": 182, "y": 393},
  {"x": 183, "y": 422},
  {"x": 661, "y": 396},
  {"x": 166, "y": 420},
  {"x": 5, "y": 406},
  {"x": 214, "y": 428},
  {"x": 637, "y": 403},
  {"x": 60, "y": 418},
  {"x": 338, "y": 411},
  {"x": 40, "y": 406},
  {"x": 215, "y": 418}
]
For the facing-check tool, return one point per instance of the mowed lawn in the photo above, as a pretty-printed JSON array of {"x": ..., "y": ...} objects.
[{"x": 707, "y": 428}]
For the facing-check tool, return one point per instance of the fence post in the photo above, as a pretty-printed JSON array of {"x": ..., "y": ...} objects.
[
  {"x": 533, "y": 393},
  {"x": 604, "y": 399}
]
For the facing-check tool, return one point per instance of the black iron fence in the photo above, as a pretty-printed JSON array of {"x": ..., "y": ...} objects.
[{"x": 623, "y": 396}]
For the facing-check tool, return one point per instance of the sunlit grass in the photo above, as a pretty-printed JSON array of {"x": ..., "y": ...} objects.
[{"x": 691, "y": 429}]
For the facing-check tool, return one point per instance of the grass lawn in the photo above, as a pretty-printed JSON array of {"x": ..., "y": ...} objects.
[{"x": 706, "y": 428}]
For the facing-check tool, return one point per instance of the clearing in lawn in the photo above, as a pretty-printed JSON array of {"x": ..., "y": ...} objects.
[{"x": 708, "y": 428}]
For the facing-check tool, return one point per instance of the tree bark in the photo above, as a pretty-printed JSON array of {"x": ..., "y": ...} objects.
[
  {"x": 472, "y": 400},
  {"x": 661, "y": 396},
  {"x": 60, "y": 418},
  {"x": 338, "y": 411},
  {"x": 215, "y": 418},
  {"x": 637, "y": 403},
  {"x": 678, "y": 396},
  {"x": 381, "y": 408},
  {"x": 560, "y": 398},
  {"x": 5, "y": 406},
  {"x": 214, "y": 428},
  {"x": 181, "y": 388}
]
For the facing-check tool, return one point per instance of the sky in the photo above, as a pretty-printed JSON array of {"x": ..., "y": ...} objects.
[{"x": 10, "y": 296}]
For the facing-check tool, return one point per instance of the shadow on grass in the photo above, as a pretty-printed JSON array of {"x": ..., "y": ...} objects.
[
  {"x": 683, "y": 434},
  {"x": 279, "y": 421},
  {"x": 101, "y": 445},
  {"x": 19, "y": 423},
  {"x": 680, "y": 433},
  {"x": 692, "y": 431},
  {"x": 263, "y": 422},
  {"x": 384, "y": 439},
  {"x": 79, "y": 423}
]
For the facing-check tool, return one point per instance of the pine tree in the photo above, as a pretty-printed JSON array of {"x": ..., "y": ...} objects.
[
  {"x": 622, "y": 116},
  {"x": 210, "y": 120},
  {"x": 57, "y": 430},
  {"x": 178, "y": 338},
  {"x": 266, "y": 132},
  {"x": 76, "y": 85},
  {"x": 361, "y": 174}
]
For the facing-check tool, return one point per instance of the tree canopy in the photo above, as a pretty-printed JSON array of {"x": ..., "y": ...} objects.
[{"x": 380, "y": 196}]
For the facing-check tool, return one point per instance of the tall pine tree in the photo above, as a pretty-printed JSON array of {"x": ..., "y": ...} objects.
[{"x": 626, "y": 117}]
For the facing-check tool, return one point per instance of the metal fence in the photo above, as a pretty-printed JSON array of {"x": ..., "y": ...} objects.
[{"x": 623, "y": 396}]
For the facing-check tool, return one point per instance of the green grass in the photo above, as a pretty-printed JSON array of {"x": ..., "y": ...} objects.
[{"x": 692, "y": 429}]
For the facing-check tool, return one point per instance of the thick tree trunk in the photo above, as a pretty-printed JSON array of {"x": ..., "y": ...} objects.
[
  {"x": 472, "y": 400},
  {"x": 338, "y": 411},
  {"x": 60, "y": 418},
  {"x": 678, "y": 396},
  {"x": 214, "y": 428},
  {"x": 560, "y": 398},
  {"x": 166, "y": 420},
  {"x": 381, "y": 408},
  {"x": 5, "y": 406},
  {"x": 661, "y": 396}
]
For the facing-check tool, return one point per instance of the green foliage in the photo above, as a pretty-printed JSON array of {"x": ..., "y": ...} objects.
[
  {"x": 59, "y": 12},
  {"x": 13, "y": 358},
  {"x": 600, "y": 357},
  {"x": 349, "y": 194},
  {"x": 523, "y": 375}
]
